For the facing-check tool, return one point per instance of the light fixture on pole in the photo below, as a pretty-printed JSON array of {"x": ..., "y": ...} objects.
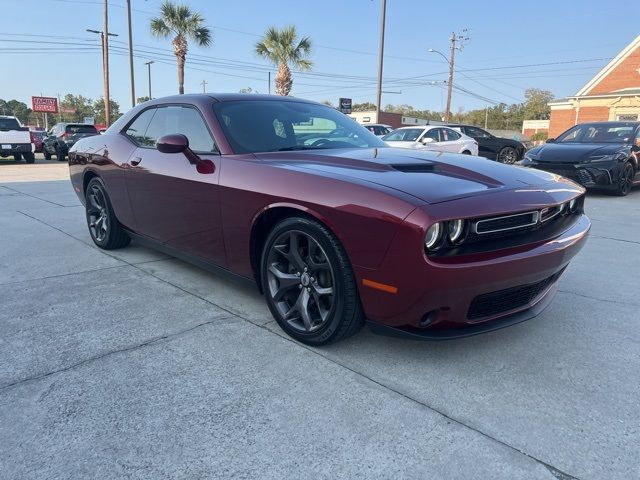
[{"x": 148, "y": 64}]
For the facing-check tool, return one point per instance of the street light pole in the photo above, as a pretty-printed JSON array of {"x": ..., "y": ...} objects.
[
  {"x": 133, "y": 83},
  {"x": 381, "y": 60},
  {"x": 148, "y": 64}
]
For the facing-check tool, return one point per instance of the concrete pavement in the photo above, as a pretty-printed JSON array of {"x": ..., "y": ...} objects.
[{"x": 130, "y": 364}]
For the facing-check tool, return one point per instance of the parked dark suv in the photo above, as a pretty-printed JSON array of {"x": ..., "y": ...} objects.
[
  {"x": 504, "y": 150},
  {"x": 63, "y": 136}
]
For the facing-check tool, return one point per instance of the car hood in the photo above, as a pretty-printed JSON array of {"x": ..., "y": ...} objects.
[
  {"x": 575, "y": 152},
  {"x": 432, "y": 177}
]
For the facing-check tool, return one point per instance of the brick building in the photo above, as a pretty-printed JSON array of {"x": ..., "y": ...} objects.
[{"x": 613, "y": 94}]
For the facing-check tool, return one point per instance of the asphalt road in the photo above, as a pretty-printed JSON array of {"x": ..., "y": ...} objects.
[{"x": 131, "y": 364}]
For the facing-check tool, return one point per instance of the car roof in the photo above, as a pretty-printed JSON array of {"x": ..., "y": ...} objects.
[
  {"x": 618, "y": 123},
  {"x": 225, "y": 97}
]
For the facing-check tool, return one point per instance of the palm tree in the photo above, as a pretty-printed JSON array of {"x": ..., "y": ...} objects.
[
  {"x": 282, "y": 47},
  {"x": 181, "y": 23}
]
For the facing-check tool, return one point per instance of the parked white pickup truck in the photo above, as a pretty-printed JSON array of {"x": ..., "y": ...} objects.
[{"x": 15, "y": 140}]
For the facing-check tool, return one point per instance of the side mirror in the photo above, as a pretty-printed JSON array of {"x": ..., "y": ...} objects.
[
  {"x": 426, "y": 140},
  {"x": 178, "y": 143},
  {"x": 551, "y": 140},
  {"x": 175, "y": 143}
]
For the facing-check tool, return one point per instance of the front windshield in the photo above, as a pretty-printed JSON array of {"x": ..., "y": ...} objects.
[
  {"x": 403, "y": 135},
  {"x": 597, "y": 133},
  {"x": 253, "y": 126}
]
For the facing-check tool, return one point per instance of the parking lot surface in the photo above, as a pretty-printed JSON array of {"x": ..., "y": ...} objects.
[{"x": 132, "y": 364}]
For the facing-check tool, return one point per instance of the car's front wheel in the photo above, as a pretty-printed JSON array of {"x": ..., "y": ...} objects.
[
  {"x": 104, "y": 228},
  {"x": 625, "y": 180},
  {"x": 60, "y": 155},
  {"x": 47, "y": 155},
  {"x": 309, "y": 283},
  {"x": 508, "y": 155}
]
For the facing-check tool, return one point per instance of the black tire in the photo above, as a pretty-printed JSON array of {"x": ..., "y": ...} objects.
[
  {"x": 61, "y": 157},
  {"x": 507, "y": 155},
  {"x": 323, "y": 258},
  {"x": 625, "y": 179},
  {"x": 104, "y": 228},
  {"x": 29, "y": 157},
  {"x": 47, "y": 155},
  {"x": 17, "y": 157}
]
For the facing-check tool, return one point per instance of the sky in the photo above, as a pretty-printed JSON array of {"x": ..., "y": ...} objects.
[{"x": 552, "y": 45}]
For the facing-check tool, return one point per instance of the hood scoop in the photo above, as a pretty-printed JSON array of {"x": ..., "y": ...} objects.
[{"x": 414, "y": 167}]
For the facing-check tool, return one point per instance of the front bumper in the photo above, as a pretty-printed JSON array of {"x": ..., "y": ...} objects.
[
  {"x": 447, "y": 292},
  {"x": 590, "y": 175}
]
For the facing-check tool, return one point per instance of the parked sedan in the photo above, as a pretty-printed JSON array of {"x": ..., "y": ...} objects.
[
  {"x": 603, "y": 155},
  {"x": 431, "y": 137},
  {"x": 332, "y": 228},
  {"x": 504, "y": 150},
  {"x": 63, "y": 136}
]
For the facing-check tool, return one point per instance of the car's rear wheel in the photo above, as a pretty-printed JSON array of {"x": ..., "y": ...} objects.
[
  {"x": 17, "y": 157},
  {"x": 29, "y": 157},
  {"x": 507, "y": 155},
  {"x": 625, "y": 180},
  {"x": 47, "y": 155},
  {"x": 309, "y": 283},
  {"x": 466, "y": 152},
  {"x": 104, "y": 228}
]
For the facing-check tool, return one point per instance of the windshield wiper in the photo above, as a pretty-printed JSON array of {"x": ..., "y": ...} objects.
[{"x": 299, "y": 147}]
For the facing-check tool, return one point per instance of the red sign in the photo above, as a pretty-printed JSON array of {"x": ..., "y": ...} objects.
[{"x": 45, "y": 104}]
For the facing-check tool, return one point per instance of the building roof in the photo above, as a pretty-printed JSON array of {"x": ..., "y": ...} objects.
[{"x": 610, "y": 67}]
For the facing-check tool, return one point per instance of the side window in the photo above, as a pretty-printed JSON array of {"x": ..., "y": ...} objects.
[
  {"x": 184, "y": 120},
  {"x": 449, "y": 135},
  {"x": 476, "y": 132},
  {"x": 138, "y": 129},
  {"x": 433, "y": 133}
]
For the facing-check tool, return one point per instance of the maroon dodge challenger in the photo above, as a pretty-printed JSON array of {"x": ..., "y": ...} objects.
[{"x": 332, "y": 226}]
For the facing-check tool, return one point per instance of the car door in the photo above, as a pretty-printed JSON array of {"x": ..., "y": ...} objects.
[
  {"x": 171, "y": 201},
  {"x": 488, "y": 145},
  {"x": 435, "y": 145},
  {"x": 449, "y": 140}
]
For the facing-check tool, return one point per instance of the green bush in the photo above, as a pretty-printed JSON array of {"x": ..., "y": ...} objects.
[{"x": 539, "y": 136}]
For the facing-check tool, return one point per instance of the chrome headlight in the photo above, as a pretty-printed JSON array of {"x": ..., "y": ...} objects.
[
  {"x": 573, "y": 205},
  {"x": 456, "y": 230},
  {"x": 618, "y": 157},
  {"x": 432, "y": 238}
]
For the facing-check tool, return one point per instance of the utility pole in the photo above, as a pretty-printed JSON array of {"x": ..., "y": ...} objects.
[
  {"x": 380, "y": 60},
  {"x": 107, "y": 97},
  {"x": 269, "y": 81},
  {"x": 457, "y": 43},
  {"x": 452, "y": 59},
  {"x": 486, "y": 116},
  {"x": 105, "y": 66},
  {"x": 204, "y": 86},
  {"x": 133, "y": 83},
  {"x": 148, "y": 64}
]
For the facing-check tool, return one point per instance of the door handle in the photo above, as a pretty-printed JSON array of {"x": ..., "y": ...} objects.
[{"x": 135, "y": 161}]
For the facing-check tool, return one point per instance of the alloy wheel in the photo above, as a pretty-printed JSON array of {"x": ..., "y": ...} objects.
[
  {"x": 300, "y": 281},
  {"x": 507, "y": 155},
  {"x": 626, "y": 179},
  {"x": 98, "y": 214}
]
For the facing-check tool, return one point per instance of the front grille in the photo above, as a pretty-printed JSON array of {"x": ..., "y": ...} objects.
[
  {"x": 585, "y": 176},
  {"x": 507, "y": 222},
  {"x": 494, "y": 303}
]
